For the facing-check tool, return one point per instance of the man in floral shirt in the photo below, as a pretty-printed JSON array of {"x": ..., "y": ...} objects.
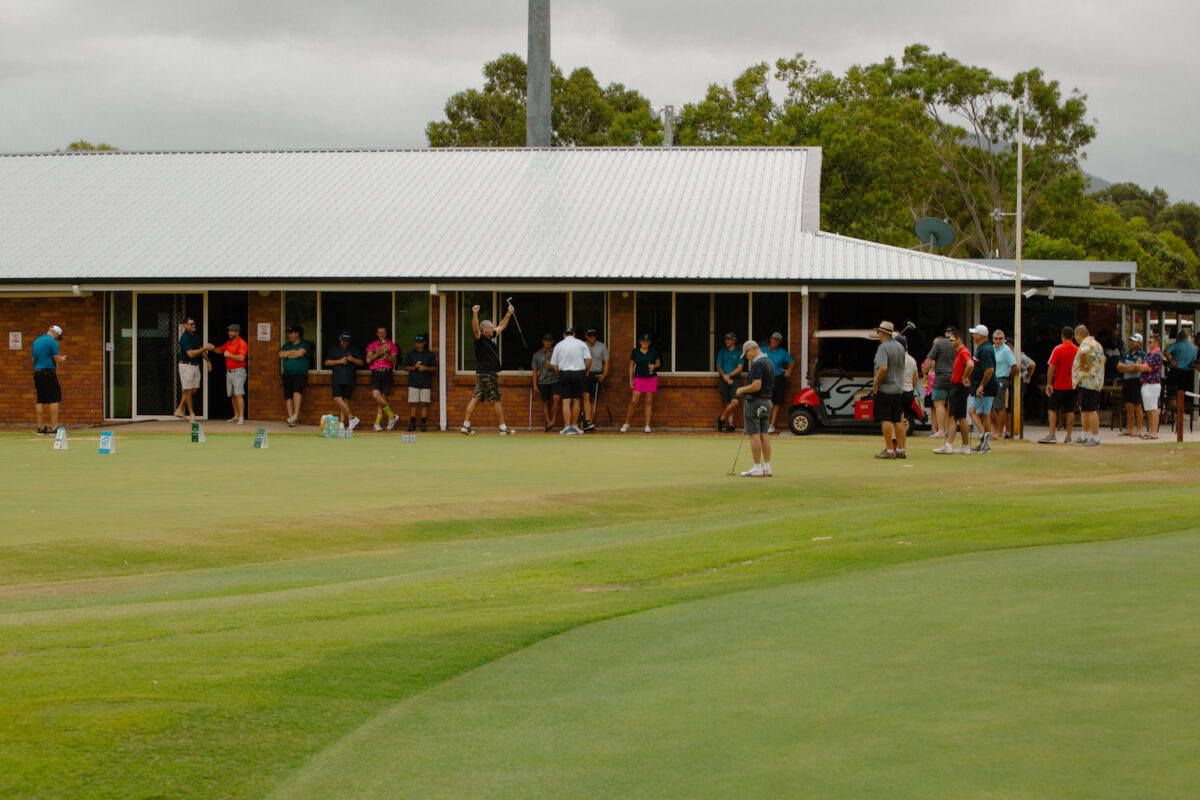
[
  {"x": 1087, "y": 373},
  {"x": 1152, "y": 373}
]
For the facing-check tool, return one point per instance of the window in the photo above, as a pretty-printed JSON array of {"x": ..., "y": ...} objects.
[
  {"x": 537, "y": 313},
  {"x": 411, "y": 317},
  {"x": 300, "y": 308},
  {"x": 693, "y": 333},
  {"x": 324, "y": 315},
  {"x": 770, "y": 316},
  {"x": 653, "y": 316},
  {"x": 688, "y": 328}
]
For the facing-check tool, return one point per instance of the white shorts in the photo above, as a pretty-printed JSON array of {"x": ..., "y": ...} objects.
[
  {"x": 189, "y": 376},
  {"x": 419, "y": 395},
  {"x": 235, "y": 381},
  {"x": 1150, "y": 393}
]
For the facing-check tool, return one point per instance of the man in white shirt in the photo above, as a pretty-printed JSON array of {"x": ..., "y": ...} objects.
[{"x": 572, "y": 359}]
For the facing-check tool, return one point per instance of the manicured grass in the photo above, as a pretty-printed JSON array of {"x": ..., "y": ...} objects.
[{"x": 185, "y": 620}]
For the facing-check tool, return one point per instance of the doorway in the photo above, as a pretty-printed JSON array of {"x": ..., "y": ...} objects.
[
  {"x": 159, "y": 322},
  {"x": 224, "y": 309}
]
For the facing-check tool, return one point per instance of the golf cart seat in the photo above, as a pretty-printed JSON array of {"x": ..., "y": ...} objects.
[{"x": 862, "y": 394}]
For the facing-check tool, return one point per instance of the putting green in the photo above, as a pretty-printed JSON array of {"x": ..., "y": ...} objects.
[{"x": 1064, "y": 672}]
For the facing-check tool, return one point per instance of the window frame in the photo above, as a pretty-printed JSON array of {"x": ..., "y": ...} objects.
[
  {"x": 464, "y": 323},
  {"x": 319, "y": 337}
]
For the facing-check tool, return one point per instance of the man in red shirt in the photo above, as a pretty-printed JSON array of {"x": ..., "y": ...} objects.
[
  {"x": 1059, "y": 386},
  {"x": 235, "y": 351},
  {"x": 956, "y": 402}
]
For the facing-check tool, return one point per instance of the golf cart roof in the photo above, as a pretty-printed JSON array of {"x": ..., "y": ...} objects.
[{"x": 847, "y": 333}]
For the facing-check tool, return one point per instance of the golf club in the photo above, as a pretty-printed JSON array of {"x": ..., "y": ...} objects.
[
  {"x": 514, "y": 316},
  {"x": 733, "y": 469}
]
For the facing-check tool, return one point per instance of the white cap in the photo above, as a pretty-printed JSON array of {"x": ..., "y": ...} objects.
[
  {"x": 979, "y": 329},
  {"x": 1137, "y": 337},
  {"x": 56, "y": 329}
]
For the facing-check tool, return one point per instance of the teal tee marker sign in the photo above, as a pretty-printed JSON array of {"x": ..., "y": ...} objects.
[
  {"x": 260, "y": 440},
  {"x": 108, "y": 443}
]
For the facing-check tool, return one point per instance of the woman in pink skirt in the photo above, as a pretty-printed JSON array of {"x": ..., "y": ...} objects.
[{"x": 644, "y": 362}]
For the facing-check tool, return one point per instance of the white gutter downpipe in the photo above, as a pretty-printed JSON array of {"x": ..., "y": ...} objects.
[{"x": 443, "y": 417}]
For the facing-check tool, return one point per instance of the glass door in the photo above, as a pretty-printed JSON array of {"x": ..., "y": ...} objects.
[{"x": 158, "y": 321}]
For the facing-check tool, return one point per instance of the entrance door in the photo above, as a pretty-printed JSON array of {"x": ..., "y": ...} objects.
[
  {"x": 224, "y": 308},
  {"x": 158, "y": 322}
]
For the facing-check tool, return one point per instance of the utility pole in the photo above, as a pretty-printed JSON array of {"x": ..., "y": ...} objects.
[{"x": 537, "y": 93}]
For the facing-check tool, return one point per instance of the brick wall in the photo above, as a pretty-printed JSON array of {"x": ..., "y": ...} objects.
[{"x": 81, "y": 377}]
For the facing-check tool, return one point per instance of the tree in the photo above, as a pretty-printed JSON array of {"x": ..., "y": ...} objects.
[
  {"x": 494, "y": 117},
  {"x": 1131, "y": 200},
  {"x": 741, "y": 114},
  {"x": 83, "y": 146}
]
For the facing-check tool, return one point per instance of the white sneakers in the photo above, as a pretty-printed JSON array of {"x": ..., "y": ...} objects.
[
  {"x": 353, "y": 424},
  {"x": 758, "y": 471},
  {"x": 945, "y": 449},
  {"x": 378, "y": 427},
  {"x": 625, "y": 428},
  {"x": 392, "y": 421}
]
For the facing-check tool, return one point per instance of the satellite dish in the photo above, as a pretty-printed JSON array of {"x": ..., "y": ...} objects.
[{"x": 934, "y": 232}]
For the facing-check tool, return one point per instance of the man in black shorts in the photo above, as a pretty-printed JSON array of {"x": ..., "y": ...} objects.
[
  {"x": 487, "y": 368},
  {"x": 545, "y": 380},
  {"x": 956, "y": 399},
  {"x": 344, "y": 359},
  {"x": 47, "y": 392},
  {"x": 572, "y": 360},
  {"x": 294, "y": 356},
  {"x": 888, "y": 389},
  {"x": 756, "y": 408}
]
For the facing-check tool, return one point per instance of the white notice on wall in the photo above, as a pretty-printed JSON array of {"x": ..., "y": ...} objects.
[
  {"x": 14, "y": 340},
  {"x": 264, "y": 331}
]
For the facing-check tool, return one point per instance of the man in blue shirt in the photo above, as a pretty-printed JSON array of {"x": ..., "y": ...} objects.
[
  {"x": 782, "y": 361},
  {"x": 46, "y": 359},
  {"x": 1006, "y": 365},
  {"x": 1180, "y": 354},
  {"x": 729, "y": 366}
]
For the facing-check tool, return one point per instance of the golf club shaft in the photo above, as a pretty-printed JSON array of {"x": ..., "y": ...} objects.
[{"x": 524, "y": 343}]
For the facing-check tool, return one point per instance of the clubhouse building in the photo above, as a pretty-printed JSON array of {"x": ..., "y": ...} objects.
[{"x": 682, "y": 243}]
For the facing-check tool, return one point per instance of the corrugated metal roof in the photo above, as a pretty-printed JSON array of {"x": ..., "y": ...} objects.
[{"x": 603, "y": 214}]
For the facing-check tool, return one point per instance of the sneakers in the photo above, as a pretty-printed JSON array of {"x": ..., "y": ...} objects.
[
  {"x": 766, "y": 473},
  {"x": 392, "y": 420},
  {"x": 901, "y": 454},
  {"x": 353, "y": 423},
  {"x": 572, "y": 431},
  {"x": 1049, "y": 438},
  {"x": 379, "y": 427},
  {"x": 886, "y": 455},
  {"x": 937, "y": 434},
  {"x": 466, "y": 429},
  {"x": 589, "y": 426},
  {"x": 647, "y": 429},
  {"x": 1090, "y": 443},
  {"x": 412, "y": 425},
  {"x": 507, "y": 431},
  {"x": 963, "y": 451},
  {"x": 44, "y": 431},
  {"x": 754, "y": 472},
  {"x": 291, "y": 421},
  {"x": 625, "y": 428},
  {"x": 422, "y": 425},
  {"x": 944, "y": 450},
  {"x": 982, "y": 447}
]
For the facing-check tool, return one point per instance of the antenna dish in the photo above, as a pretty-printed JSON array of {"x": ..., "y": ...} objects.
[{"x": 934, "y": 232}]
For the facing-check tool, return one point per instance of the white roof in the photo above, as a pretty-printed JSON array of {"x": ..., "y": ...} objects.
[{"x": 469, "y": 215}]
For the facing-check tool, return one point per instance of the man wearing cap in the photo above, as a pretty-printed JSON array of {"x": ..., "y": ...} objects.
[
  {"x": 235, "y": 350},
  {"x": 729, "y": 365},
  {"x": 1059, "y": 387},
  {"x": 571, "y": 359},
  {"x": 545, "y": 380},
  {"x": 46, "y": 358},
  {"x": 983, "y": 387},
  {"x": 1151, "y": 370},
  {"x": 420, "y": 363},
  {"x": 782, "y": 361},
  {"x": 192, "y": 351},
  {"x": 956, "y": 396},
  {"x": 1129, "y": 368},
  {"x": 381, "y": 358},
  {"x": 595, "y": 379},
  {"x": 294, "y": 357},
  {"x": 487, "y": 368},
  {"x": 940, "y": 361},
  {"x": 344, "y": 359},
  {"x": 756, "y": 411},
  {"x": 1006, "y": 368},
  {"x": 1087, "y": 373},
  {"x": 909, "y": 387},
  {"x": 888, "y": 389}
]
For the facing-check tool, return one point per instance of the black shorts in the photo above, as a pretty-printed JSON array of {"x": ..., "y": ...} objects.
[
  {"x": 1131, "y": 391},
  {"x": 592, "y": 383},
  {"x": 1089, "y": 399},
  {"x": 1062, "y": 400},
  {"x": 888, "y": 407},
  {"x": 45, "y": 384},
  {"x": 548, "y": 390},
  {"x": 779, "y": 392},
  {"x": 381, "y": 381},
  {"x": 343, "y": 390},
  {"x": 570, "y": 384},
  {"x": 728, "y": 391},
  {"x": 956, "y": 402},
  {"x": 1179, "y": 379},
  {"x": 293, "y": 384}
]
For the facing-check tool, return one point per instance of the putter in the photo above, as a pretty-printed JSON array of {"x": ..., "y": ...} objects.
[
  {"x": 514, "y": 308},
  {"x": 733, "y": 469}
]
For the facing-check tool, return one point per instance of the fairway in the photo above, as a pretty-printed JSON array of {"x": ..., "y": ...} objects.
[{"x": 542, "y": 616}]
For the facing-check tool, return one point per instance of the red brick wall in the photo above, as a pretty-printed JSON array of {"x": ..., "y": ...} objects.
[{"x": 81, "y": 377}]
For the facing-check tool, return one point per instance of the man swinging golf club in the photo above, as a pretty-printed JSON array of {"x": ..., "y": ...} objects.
[{"x": 756, "y": 408}]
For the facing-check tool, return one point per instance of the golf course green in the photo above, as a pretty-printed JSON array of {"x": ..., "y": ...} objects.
[{"x": 540, "y": 617}]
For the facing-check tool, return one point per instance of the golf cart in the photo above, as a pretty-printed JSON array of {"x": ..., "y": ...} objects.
[{"x": 839, "y": 392}]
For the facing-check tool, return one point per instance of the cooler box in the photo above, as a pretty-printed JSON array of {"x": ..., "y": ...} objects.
[
  {"x": 329, "y": 426},
  {"x": 863, "y": 409}
]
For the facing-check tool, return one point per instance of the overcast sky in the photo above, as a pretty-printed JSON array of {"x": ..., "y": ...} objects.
[{"x": 224, "y": 75}]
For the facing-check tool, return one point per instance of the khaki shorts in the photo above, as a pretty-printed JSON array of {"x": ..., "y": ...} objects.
[
  {"x": 189, "y": 376},
  {"x": 235, "y": 381},
  {"x": 419, "y": 395}
]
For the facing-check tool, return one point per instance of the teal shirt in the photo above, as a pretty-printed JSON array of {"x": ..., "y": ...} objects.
[
  {"x": 728, "y": 360},
  {"x": 297, "y": 366},
  {"x": 780, "y": 359},
  {"x": 1184, "y": 353},
  {"x": 1005, "y": 361}
]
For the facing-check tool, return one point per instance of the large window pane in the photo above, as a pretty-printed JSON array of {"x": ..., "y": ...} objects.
[
  {"x": 537, "y": 313},
  {"x": 300, "y": 308},
  {"x": 121, "y": 305},
  {"x": 466, "y": 335},
  {"x": 653, "y": 317},
  {"x": 693, "y": 337},
  {"x": 731, "y": 314},
  {"x": 358, "y": 312},
  {"x": 590, "y": 310},
  {"x": 771, "y": 315},
  {"x": 412, "y": 318}
]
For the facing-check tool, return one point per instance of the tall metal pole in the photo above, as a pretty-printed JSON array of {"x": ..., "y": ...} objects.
[
  {"x": 1018, "y": 422},
  {"x": 537, "y": 93}
]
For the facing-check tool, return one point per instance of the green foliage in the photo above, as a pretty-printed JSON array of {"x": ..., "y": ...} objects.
[
  {"x": 742, "y": 114},
  {"x": 1041, "y": 246},
  {"x": 1131, "y": 200},
  {"x": 83, "y": 146}
]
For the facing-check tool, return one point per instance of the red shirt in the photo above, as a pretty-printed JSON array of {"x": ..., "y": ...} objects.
[
  {"x": 1062, "y": 359},
  {"x": 962, "y": 357},
  {"x": 237, "y": 346}
]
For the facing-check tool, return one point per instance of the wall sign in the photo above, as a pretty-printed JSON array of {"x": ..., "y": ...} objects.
[
  {"x": 14, "y": 340},
  {"x": 264, "y": 331}
]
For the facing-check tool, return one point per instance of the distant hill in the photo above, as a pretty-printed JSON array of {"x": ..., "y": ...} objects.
[{"x": 1095, "y": 184}]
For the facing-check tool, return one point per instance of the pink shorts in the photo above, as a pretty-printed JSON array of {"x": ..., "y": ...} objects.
[{"x": 646, "y": 385}]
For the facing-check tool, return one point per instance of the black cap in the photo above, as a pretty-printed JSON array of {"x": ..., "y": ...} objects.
[
  {"x": 569, "y": 332},
  {"x": 296, "y": 329},
  {"x": 420, "y": 337},
  {"x": 547, "y": 337},
  {"x": 731, "y": 335},
  {"x": 644, "y": 336},
  {"x": 591, "y": 332},
  {"x": 345, "y": 335}
]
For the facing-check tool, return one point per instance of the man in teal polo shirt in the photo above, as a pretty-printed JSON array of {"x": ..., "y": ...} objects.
[
  {"x": 782, "y": 361},
  {"x": 730, "y": 364},
  {"x": 46, "y": 358},
  {"x": 296, "y": 357}
]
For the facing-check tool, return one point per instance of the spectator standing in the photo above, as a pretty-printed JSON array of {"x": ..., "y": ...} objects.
[
  {"x": 1180, "y": 354},
  {"x": 956, "y": 396},
  {"x": 1130, "y": 370},
  {"x": 595, "y": 379},
  {"x": 983, "y": 387},
  {"x": 756, "y": 410},
  {"x": 1059, "y": 387},
  {"x": 235, "y": 350},
  {"x": 908, "y": 390},
  {"x": 1087, "y": 373},
  {"x": 888, "y": 390},
  {"x": 420, "y": 363},
  {"x": 782, "y": 361},
  {"x": 192, "y": 351},
  {"x": 382, "y": 355},
  {"x": 940, "y": 361},
  {"x": 294, "y": 355},
  {"x": 545, "y": 380},
  {"x": 47, "y": 392},
  {"x": 644, "y": 362},
  {"x": 729, "y": 365},
  {"x": 1152, "y": 376},
  {"x": 487, "y": 368},
  {"x": 1006, "y": 369},
  {"x": 344, "y": 359},
  {"x": 572, "y": 360}
]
